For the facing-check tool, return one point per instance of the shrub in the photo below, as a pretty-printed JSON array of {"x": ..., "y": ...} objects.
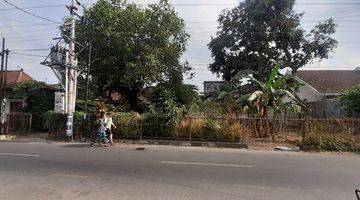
[
  {"x": 188, "y": 127},
  {"x": 80, "y": 125},
  {"x": 332, "y": 142},
  {"x": 350, "y": 99},
  {"x": 161, "y": 118},
  {"x": 128, "y": 125},
  {"x": 210, "y": 108},
  {"x": 158, "y": 125},
  {"x": 211, "y": 130},
  {"x": 55, "y": 123},
  {"x": 235, "y": 132}
]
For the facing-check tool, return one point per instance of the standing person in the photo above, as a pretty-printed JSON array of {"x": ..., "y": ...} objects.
[
  {"x": 108, "y": 125},
  {"x": 101, "y": 132}
]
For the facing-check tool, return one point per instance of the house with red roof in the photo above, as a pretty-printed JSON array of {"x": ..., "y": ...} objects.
[
  {"x": 323, "y": 87},
  {"x": 12, "y": 78},
  {"x": 320, "y": 90},
  {"x": 13, "y": 104}
]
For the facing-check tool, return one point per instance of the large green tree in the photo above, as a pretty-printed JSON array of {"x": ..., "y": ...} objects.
[
  {"x": 257, "y": 35},
  {"x": 132, "y": 46}
]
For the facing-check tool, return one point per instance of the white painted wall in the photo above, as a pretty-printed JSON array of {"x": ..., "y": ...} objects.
[{"x": 307, "y": 93}]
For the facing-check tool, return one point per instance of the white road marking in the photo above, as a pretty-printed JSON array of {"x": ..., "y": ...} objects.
[
  {"x": 19, "y": 154},
  {"x": 71, "y": 175},
  {"x": 206, "y": 164}
]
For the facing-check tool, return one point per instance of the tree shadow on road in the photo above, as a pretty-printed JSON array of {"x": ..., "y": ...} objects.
[{"x": 84, "y": 145}]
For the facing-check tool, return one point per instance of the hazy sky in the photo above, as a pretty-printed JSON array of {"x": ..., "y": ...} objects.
[{"x": 24, "y": 32}]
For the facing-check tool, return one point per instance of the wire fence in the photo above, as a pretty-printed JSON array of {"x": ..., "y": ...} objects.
[{"x": 233, "y": 129}]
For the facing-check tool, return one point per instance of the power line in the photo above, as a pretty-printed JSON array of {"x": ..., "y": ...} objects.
[
  {"x": 25, "y": 54},
  {"x": 21, "y": 50},
  {"x": 215, "y": 31},
  {"x": 33, "y": 7},
  {"x": 15, "y": 20},
  {"x": 29, "y": 40},
  {"x": 32, "y": 14},
  {"x": 24, "y": 25},
  {"x": 235, "y": 4},
  {"x": 310, "y": 21},
  {"x": 29, "y": 36},
  {"x": 344, "y": 42}
]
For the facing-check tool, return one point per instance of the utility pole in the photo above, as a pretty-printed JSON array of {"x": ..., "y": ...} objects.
[
  {"x": 62, "y": 60},
  {"x": 2, "y": 85},
  {"x": 72, "y": 75},
  {"x": 3, "y": 106}
]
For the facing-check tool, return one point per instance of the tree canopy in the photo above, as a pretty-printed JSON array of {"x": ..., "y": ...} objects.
[
  {"x": 38, "y": 101},
  {"x": 257, "y": 35},
  {"x": 350, "y": 99},
  {"x": 132, "y": 46}
]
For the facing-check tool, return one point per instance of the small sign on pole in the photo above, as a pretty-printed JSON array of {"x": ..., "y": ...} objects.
[{"x": 59, "y": 102}]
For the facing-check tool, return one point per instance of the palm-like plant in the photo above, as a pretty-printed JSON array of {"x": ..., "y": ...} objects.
[
  {"x": 271, "y": 95},
  {"x": 269, "y": 100}
]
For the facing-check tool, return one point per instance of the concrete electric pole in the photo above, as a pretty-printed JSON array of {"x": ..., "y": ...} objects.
[
  {"x": 63, "y": 62},
  {"x": 72, "y": 75},
  {"x": 3, "y": 52}
]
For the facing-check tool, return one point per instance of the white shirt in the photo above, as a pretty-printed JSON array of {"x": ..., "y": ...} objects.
[{"x": 108, "y": 123}]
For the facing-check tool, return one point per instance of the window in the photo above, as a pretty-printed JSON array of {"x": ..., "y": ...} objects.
[{"x": 16, "y": 106}]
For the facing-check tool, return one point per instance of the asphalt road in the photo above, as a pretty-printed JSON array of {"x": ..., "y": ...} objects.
[{"x": 75, "y": 171}]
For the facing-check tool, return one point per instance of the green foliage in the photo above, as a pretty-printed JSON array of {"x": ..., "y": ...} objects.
[
  {"x": 271, "y": 94},
  {"x": 132, "y": 46},
  {"x": 162, "y": 117},
  {"x": 80, "y": 125},
  {"x": 350, "y": 99},
  {"x": 186, "y": 95},
  {"x": 211, "y": 130},
  {"x": 258, "y": 34},
  {"x": 183, "y": 95},
  {"x": 129, "y": 125},
  {"x": 55, "y": 123},
  {"x": 211, "y": 108},
  {"x": 92, "y": 106},
  {"x": 38, "y": 101},
  {"x": 228, "y": 98},
  {"x": 332, "y": 142}
]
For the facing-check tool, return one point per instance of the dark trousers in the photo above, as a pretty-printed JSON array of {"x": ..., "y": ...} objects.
[{"x": 100, "y": 137}]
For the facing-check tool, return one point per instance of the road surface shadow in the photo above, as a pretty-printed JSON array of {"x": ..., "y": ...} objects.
[{"x": 85, "y": 145}]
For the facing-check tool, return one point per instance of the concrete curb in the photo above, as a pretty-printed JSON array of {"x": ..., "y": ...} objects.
[
  {"x": 14, "y": 138},
  {"x": 233, "y": 145}
]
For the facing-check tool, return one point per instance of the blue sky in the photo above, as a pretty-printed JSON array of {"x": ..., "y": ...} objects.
[{"x": 22, "y": 34}]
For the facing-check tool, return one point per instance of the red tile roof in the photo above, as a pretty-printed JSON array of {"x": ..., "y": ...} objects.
[
  {"x": 15, "y": 76},
  {"x": 330, "y": 81}
]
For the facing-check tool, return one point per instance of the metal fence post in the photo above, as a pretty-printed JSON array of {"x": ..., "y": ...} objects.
[
  {"x": 140, "y": 128},
  {"x": 7, "y": 123},
  {"x": 30, "y": 123},
  {"x": 304, "y": 126},
  {"x": 190, "y": 129}
]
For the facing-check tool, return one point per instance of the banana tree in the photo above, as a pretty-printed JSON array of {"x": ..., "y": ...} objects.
[{"x": 272, "y": 98}]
